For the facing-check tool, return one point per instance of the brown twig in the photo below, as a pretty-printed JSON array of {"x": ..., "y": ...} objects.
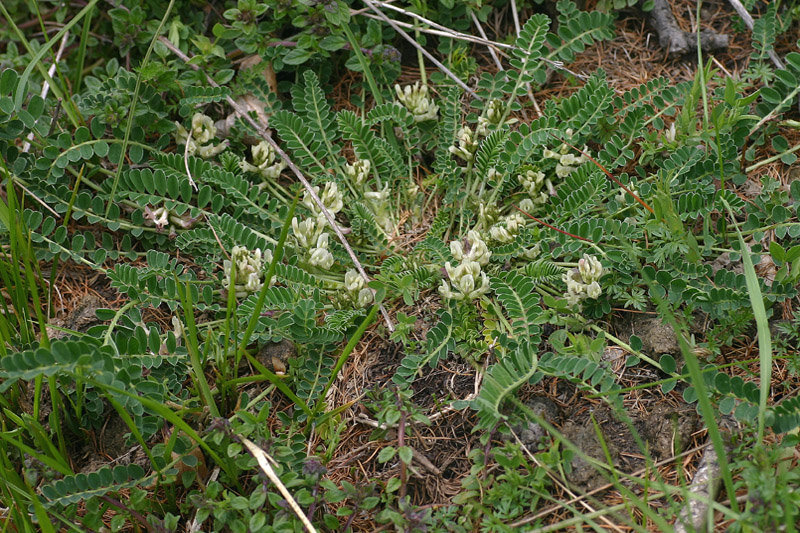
[
  {"x": 609, "y": 174},
  {"x": 542, "y": 222}
]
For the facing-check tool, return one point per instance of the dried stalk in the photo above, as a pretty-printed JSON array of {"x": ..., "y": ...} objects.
[
  {"x": 705, "y": 483},
  {"x": 263, "y": 462},
  {"x": 483, "y": 35},
  {"x": 444, "y": 31},
  {"x": 419, "y": 47}
]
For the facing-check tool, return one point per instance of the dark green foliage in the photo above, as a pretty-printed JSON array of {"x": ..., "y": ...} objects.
[
  {"x": 784, "y": 90},
  {"x": 366, "y": 228},
  {"x": 591, "y": 376},
  {"x": 108, "y": 102},
  {"x": 516, "y": 293},
  {"x": 157, "y": 282},
  {"x": 587, "y": 106},
  {"x": 438, "y": 343},
  {"x": 161, "y": 242},
  {"x": 577, "y": 30},
  {"x": 580, "y": 190},
  {"x": 72, "y": 489},
  {"x": 368, "y": 145},
  {"x": 201, "y": 95},
  {"x": 512, "y": 370}
]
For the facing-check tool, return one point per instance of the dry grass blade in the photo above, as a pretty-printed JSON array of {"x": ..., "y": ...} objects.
[
  {"x": 26, "y": 146},
  {"x": 263, "y": 460},
  {"x": 427, "y": 54},
  {"x": 555, "y": 508},
  {"x": 444, "y": 31},
  {"x": 491, "y": 49},
  {"x": 581, "y": 500}
]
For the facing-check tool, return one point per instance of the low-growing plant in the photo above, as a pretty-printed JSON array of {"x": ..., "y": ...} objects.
[{"x": 535, "y": 232}]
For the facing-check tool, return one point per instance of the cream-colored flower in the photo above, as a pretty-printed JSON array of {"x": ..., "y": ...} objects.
[
  {"x": 306, "y": 232},
  {"x": 353, "y": 282},
  {"x": 532, "y": 252},
  {"x": 331, "y": 198},
  {"x": 198, "y": 138},
  {"x": 537, "y": 185},
  {"x": 265, "y": 161},
  {"x": 500, "y": 233},
  {"x": 358, "y": 171},
  {"x": 466, "y": 279},
  {"x": 593, "y": 290},
  {"x": 494, "y": 110},
  {"x": 467, "y": 145},
  {"x": 365, "y": 297},
  {"x": 487, "y": 214},
  {"x": 570, "y": 160},
  {"x": 415, "y": 98},
  {"x": 527, "y": 205},
  {"x": 482, "y": 129},
  {"x": 622, "y": 195},
  {"x": 515, "y": 222},
  {"x": 377, "y": 196},
  {"x": 670, "y": 133},
  {"x": 563, "y": 171},
  {"x": 590, "y": 268},
  {"x": 203, "y": 129},
  {"x": 320, "y": 256},
  {"x": 211, "y": 150},
  {"x": 473, "y": 248},
  {"x": 583, "y": 282},
  {"x": 245, "y": 269}
]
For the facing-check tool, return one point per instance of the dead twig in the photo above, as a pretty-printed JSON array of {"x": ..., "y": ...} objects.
[
  {"x": 263, "y": 462},
  {"x": 422, "y": 49}
]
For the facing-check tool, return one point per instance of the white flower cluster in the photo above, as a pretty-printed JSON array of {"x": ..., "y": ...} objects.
[
  {"x": 466, "y": 281},
  {"x": 537, "y": 185},
  {"x": 467, "y": 144},
  {"x": 494, "y": 111},
  {"x": 177, "y": 329},
  {"x": 567, "y": 161},
  {"x": 415, "y": 98},
  {"x": 246, "y": 267},
  {"x": 494, "y": 114},
  {"x": 583, "y": 282},
  {"x": 509, "y": 228},
  {"x": 670, "y": 133},
  {"x": 487, "y": 214},
  {"x": 265, "y": 161},
  {"x": 358, "y": 172},
  {"x": 331, "y": 198},
  {"x": 198, "y": 139},
  {"x": 309, "y": 234},
  {"x": 357, "y": 291},
  {"x": 309, "y": 237}
]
